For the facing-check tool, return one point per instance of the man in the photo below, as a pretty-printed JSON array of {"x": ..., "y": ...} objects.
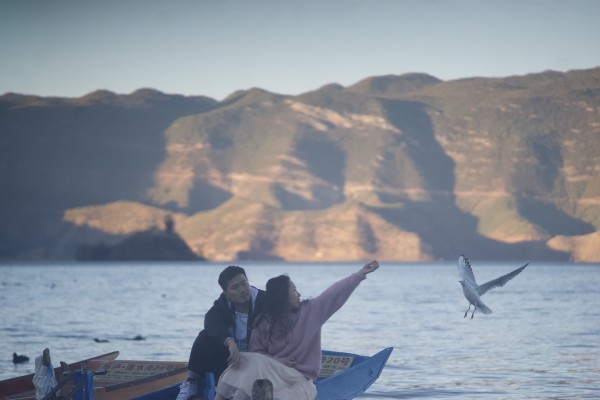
[{"x": 227, "y": 327}]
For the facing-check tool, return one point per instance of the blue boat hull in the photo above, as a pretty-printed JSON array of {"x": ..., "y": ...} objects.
[
  {"x": 354, "y": 381},
  {"x": 343, "y": 385}
]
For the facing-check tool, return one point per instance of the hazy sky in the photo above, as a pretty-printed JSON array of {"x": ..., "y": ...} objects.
[{"x": 215, "y": 47}]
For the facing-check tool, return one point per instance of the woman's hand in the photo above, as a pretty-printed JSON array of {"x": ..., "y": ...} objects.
[
  {"x": 289, "y": 362},
  {"x": 370, "y": 267}
]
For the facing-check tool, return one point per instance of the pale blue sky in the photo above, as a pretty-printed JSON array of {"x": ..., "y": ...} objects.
[{"x": 215, "y": 47}]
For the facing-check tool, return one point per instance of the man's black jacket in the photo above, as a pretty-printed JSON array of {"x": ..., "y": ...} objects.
[{"x": 219, "y": 321}]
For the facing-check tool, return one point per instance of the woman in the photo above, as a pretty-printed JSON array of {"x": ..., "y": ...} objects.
[{"x": 286, "y": 340}]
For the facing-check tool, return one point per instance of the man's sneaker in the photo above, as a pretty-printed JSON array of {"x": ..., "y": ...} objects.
[{"x": 187, "y": 390}]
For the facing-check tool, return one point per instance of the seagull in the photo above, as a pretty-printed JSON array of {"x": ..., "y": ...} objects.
[{"x": 472, "y": 291}]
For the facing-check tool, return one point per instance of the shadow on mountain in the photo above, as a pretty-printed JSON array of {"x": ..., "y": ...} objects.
[
  {"x": 417, "y": 135},
  {"x": 77, "y": 154},
  {"x": 116, "y": 152},
  {"x": 547, "y": 150},
  {"x": 29, "y": 226},
  {"x": 218, "y": 141},
  {"x": 367, "y": 237},
  {"x": 260, "y": 249},
  {"x": 323, "y": 157},
  {"x": 552, "y": 219},
  {"x": 202, "y": 197},
  {"x": 538, "y": 177},
  {"x": 446, "y": 232},
  {"x": 321, "y": 197},
  {"x": 325, "y": 162}
]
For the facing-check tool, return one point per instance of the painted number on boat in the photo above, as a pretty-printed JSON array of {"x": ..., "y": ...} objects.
[{"x": 331, "y": 365}]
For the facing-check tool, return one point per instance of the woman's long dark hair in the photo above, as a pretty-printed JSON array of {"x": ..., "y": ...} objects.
[{"x": 276, "y": 309}]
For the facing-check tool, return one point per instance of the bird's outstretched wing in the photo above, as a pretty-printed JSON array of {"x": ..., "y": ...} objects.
[
  {"x": 465, "y": 272},
  {"x": 498, "y": 282}
]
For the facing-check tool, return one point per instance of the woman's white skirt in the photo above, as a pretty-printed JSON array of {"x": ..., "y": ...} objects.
[{"x": 288, "y": 383}]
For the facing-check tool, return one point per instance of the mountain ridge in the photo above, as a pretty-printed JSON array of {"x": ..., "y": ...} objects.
[{"x": 399, "y": 167}]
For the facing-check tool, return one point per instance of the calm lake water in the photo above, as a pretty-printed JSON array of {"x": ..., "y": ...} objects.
[{"x": 542, "y": 341}]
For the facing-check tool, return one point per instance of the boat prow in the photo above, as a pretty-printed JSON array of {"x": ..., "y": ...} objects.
[{"x": 22, "y": 386}]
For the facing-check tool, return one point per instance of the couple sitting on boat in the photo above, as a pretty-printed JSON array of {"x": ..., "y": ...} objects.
[{"x": 270, "y": 337}]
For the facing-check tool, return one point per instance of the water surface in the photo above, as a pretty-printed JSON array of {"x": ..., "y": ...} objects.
[{"x": 542, "y": 341}]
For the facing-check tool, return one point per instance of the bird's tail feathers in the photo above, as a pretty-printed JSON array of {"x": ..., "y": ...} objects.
[{"x": 484, "y": 309}]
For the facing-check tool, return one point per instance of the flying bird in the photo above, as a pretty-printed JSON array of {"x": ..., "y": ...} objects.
[{"x": 473, "y": 292}]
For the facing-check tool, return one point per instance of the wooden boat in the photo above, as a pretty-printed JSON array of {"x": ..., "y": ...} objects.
[
  {"x": 22, "y": 386},
  {"x": 343, "y": 376},
  {"x": 125, "y": 379},
  {"x": 118, "y": 379}
]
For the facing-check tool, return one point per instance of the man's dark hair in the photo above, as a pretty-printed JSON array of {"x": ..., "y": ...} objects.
[{"x": 228, "y": 273}]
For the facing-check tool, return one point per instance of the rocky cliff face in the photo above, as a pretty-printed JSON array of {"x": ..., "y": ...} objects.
[{"x": 396, "y": 168}]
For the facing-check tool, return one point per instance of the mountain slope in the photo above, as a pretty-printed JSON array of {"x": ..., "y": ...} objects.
[{"x": 398, "y": 167}]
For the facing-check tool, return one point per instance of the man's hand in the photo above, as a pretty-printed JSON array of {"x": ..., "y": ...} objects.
[{"x": 234, "y": 354}]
